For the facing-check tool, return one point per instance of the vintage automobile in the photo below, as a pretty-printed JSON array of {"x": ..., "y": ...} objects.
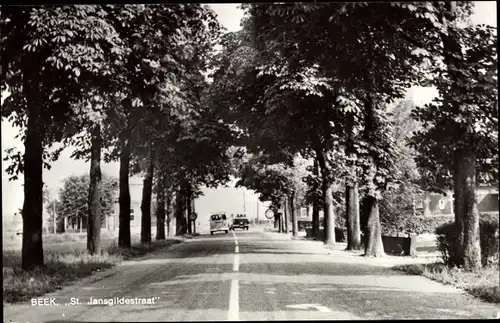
[
  {"x": 240, "y": 221},
  {"x": 218, "y": 222}
]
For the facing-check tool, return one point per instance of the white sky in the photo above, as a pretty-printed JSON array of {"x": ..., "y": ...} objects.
[{"x": 228, "y": 199}]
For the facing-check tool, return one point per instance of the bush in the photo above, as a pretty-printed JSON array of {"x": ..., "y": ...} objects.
[
  {"x": 340, "y": 221},
  {"x": 396, "y": 208},
  {"x": 449, "y": 245},
  {"x": 340, "y": 234},
  {"x": 488, "y": 230},
  {"x": 421, "y": 224},
  {"x": 414, "y": 224}
]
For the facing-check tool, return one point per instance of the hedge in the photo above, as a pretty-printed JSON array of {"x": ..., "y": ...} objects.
[
  {"x": 416, "y": 224},
  {"x": 448, "y": 243}
]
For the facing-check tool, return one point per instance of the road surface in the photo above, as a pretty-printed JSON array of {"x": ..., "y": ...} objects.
[{"x": 251, "y": 275}]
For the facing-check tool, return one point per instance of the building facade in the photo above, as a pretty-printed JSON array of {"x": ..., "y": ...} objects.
[
  {"x": 111, "y": 220},
  {"x": 435, "y": 204},
  {"x": 135, "y": 187}
]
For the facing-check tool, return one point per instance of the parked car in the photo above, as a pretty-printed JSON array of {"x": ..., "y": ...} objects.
[
  {"x": 218, "y": 222},
  {"x": 240, "y": 221}
]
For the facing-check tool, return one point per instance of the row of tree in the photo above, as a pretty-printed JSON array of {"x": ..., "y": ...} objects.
[
  {"x": 320, "y": 81},
  {"x": 124, "y": 83},
  {"x": 299, "y": 81}
]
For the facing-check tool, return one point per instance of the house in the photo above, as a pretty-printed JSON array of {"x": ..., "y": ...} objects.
[
  {"x": 135, "y": 188},
  {"x": 111, "y": 220},
  {"x": 441, "y": 204}
]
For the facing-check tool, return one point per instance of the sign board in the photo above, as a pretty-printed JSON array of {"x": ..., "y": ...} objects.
[
  {"x": 269, "y": 214},
  {"x": 193, "y": 216}
]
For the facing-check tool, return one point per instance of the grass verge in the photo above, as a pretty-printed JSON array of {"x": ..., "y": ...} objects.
[
  {"x": 63, "y": 268},
  {"x": 482, "y": 283}
]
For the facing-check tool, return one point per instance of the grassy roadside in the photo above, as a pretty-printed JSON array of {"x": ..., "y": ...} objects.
[
  {"x": 483, "y": 283},
  {"x": 64, "y": 266}
]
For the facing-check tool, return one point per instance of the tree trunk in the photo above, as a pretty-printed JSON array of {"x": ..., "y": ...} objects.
[
  {"x": 328, "y": 210},
  {"x": 286, "y": 214},
  {"x": 180, "y": 219},
  {"x": 373, "y": 240},
  {"x": 459, "y": 182},
  {"x": 124, "y": 240},
  {"x": 352, "y": 196},
  {"x": 95, "y": 189},
  {"x": 471, "y": 244},
  {"x": 276, "y": 221},
  {"x": 280, "y": 220},
  {"x": 293, "y": 213},
  {"x": 315, "y": 220},
  {"x": 32, "y": 248},
  {"x": 353, "y": 220},
  {"x": 147, "y": 190},
  {"x": 189, "y": 194},
  {"x": 160, "y": 210},
  {"x": 316, "y": 207},
  {"x": 465, "y": 205},
  {"x": 160, "y": 216},
  {"x": 169, "y": 199},
  {"x": 329, "y": 214}
]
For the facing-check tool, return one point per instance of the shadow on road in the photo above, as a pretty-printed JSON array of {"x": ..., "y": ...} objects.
[{"x": 193, "y": 282}]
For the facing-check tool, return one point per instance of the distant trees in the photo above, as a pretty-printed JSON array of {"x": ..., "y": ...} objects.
[
  {"x": 73, "y": 199},
  {"x": 280, "y": 183}
]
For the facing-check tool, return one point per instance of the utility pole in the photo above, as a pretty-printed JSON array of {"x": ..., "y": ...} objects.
[
  {"x": 244, "y": 206},
  {"x": 257, "y": 210}
]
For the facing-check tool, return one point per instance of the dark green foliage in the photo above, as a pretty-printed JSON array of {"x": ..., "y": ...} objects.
[
  {"x": 396, "y": 211},
  {"x": 489, "y": 240},
  {"x": 273, "y": 181},
  {"x": 421, "y": 224},
  {"x": 59, "y": 44},
  {"x": 74, "y": 197},
  {"x": 448, "y": 241},
  {"x": 448, "y": 244}
]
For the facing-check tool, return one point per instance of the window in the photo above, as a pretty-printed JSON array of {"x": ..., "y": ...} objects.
[
  {"x": 218, "y": 217},
  {"x": 441, "y": 204},
  {"x": 131, "y": 214}
]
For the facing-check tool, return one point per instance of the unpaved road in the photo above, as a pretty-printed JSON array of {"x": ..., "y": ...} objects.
[{"x": 252, "y": 276}]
